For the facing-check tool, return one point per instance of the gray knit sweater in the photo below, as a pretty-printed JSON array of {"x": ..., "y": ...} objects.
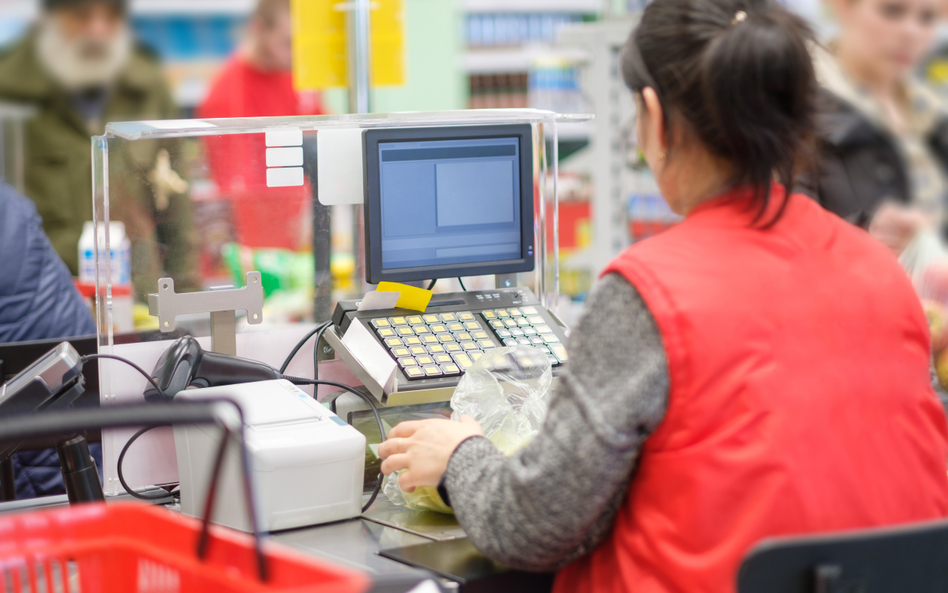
[{"x": 556, "y": 499}]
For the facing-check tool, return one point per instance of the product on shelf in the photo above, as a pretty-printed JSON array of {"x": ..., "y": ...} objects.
[
  {"x": 554, "y": 85},
  {"x": 498, "y": 91},
  {"x": 648, "y": 215},
  {"x": 501, "y": 30}
]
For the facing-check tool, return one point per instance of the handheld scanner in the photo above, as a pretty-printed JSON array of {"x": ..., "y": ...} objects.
[{"x": 186, "y": 364}]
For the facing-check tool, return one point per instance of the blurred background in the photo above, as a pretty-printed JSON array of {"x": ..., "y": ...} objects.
[{"x": 232, "y": 58}]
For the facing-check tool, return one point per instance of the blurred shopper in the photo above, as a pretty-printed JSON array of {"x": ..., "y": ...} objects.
[
  {"x": 38, "y": 301},
  {"x": 883, "y": 133},
  {"x": 257, "y": 82},
  {"x": 80, "y": 69}
]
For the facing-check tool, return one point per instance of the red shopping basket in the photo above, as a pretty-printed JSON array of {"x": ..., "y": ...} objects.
[{"x": 133, "y": 547}]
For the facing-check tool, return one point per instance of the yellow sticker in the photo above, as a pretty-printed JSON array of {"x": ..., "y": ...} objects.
[{"x": 416, "y": 299}]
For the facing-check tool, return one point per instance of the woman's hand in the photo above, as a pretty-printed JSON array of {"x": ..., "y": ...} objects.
[
  {"x": 423, "y": 448},
  {"x": 895, "y": 225}
]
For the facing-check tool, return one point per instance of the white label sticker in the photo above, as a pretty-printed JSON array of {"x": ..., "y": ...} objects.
[
  {"x": 291, "y": 156},
  {"x": 285, "y": 137},
  {"x": 285, "y": 177},
  {"x": 375, "y": 300},
  {"x": 339, "y": 154}
]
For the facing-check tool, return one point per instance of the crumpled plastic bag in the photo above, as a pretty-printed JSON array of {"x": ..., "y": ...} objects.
[
  {"x": 507, "y": 391},
  {"x": 925, "y": 259}
]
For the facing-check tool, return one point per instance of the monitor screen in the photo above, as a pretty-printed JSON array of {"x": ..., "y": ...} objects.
[{"x": 444, "y": 202}]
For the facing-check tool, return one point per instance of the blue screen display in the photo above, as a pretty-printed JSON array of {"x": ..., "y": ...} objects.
[{"x": 447, "y": 202}]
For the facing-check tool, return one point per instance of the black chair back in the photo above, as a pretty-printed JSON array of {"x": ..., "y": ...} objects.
[{"x": 912, "y": 558}]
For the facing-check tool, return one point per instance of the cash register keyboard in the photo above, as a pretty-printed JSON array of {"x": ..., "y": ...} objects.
[{"x": 434, "y": 345}]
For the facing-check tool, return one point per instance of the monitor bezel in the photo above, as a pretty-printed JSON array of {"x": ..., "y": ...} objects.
[{"x": 374, "y": 273}]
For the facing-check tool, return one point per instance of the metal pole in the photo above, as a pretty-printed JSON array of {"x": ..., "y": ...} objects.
[
  {"x": 359, "y": 57},
  {"x": 555, "y": 300},
  {"x": 359, "y": 61},
  {"x": 544, "y": 279}
]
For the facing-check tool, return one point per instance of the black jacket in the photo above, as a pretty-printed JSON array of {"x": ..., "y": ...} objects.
[{"x": 858, "y": 165}]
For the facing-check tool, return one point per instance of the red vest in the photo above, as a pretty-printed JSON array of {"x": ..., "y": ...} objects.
[{"x": 800, "y": 397}]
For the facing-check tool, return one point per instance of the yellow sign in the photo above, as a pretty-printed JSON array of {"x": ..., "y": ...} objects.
[
  {"x": 388, "y": 43},
  {"x": 319, "y": 43}
]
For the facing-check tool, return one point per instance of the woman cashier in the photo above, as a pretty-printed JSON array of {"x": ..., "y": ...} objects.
[{"x": 760, "y": 369}]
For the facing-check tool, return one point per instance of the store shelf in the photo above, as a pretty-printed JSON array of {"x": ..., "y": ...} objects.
[
  {"x": 583, "y": 6},
  {"x": 190, "y": 7},
  {"x": 27, "y": 9},
  {"x": 516, "y": 59}
]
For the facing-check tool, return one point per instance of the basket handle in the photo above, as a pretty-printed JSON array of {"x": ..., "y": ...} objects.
[
  {"x": 209, "y": 411},
  {"x": 248, "y": 491}
]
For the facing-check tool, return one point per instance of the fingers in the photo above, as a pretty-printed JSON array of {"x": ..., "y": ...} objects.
[
  {"x": 405, "y": 429},
  {"x": 388, "y": 448},
  {"x": 393, "y": 446},
  {"x": 405, "y": 482},
  {"x": 472, "y": 423},
  {"x": 395, "y": 463}
]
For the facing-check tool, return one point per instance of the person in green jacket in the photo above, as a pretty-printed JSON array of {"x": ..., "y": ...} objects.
[{"x": 79, "y": 68}]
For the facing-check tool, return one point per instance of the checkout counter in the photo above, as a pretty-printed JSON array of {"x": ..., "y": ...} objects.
[{"x": 435, "y": 196}]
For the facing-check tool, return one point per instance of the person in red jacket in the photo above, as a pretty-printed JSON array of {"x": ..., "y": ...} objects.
[
  {"x": 257, "y": 82},
  {"x": 760, "y": 369}
]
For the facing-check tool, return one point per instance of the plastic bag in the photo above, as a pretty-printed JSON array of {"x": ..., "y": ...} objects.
[
  {"x": 925, "y": 260},
  {"x": 507, "y": 391}
]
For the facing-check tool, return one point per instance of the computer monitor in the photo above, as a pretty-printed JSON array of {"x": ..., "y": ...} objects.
[{"x": 443, "y": 202}]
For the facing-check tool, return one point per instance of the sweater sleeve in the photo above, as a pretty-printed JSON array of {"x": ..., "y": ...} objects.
[{"x": 556, "y": 499}]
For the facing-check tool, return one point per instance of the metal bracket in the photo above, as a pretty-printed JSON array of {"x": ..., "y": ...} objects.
[{"x": 222, "y": 304}]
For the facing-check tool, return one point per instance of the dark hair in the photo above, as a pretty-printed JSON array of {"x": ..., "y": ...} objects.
[{"x": 738, "y": 74}]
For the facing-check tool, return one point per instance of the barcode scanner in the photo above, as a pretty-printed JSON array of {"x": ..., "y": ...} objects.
[{"x": 186, "y": 364}]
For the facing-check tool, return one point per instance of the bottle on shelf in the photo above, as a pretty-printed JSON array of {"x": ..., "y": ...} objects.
[
  {"x": 647, "y": 211},
  {"x": 554, "y": 86},
  {"x": 507, "y": 30},
  {"x": 498, "y": 91}
]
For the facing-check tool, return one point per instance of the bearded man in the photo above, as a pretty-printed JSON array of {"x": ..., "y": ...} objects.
[{"x": 80, "y": 69}]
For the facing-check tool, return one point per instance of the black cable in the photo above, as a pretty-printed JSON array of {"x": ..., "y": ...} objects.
[
  {"x": 319, "y": 337},
  {"x": 121, "y": 474},
  {"x": 88, "y": 357},
  {"x": 121, "y": 458},
  {"x": 300, "y": 344},
  {"x": 294, "y": 380},
  {"x": 433, "y": 282},
  {"x": 366, "y": 399},
  {"x": 461, "y": 282}
]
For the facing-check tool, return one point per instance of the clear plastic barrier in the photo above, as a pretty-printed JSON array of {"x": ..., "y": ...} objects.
[{"x": 205, "y": 201}]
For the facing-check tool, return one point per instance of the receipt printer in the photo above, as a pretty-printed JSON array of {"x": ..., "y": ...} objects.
[{"x": 307, "y": 463}]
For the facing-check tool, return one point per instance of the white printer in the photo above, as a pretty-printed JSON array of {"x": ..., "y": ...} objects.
[{"x": 307, "y": 463}]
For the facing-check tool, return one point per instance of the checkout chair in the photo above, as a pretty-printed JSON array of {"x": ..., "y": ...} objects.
[{"x": 887, "y": 560}]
